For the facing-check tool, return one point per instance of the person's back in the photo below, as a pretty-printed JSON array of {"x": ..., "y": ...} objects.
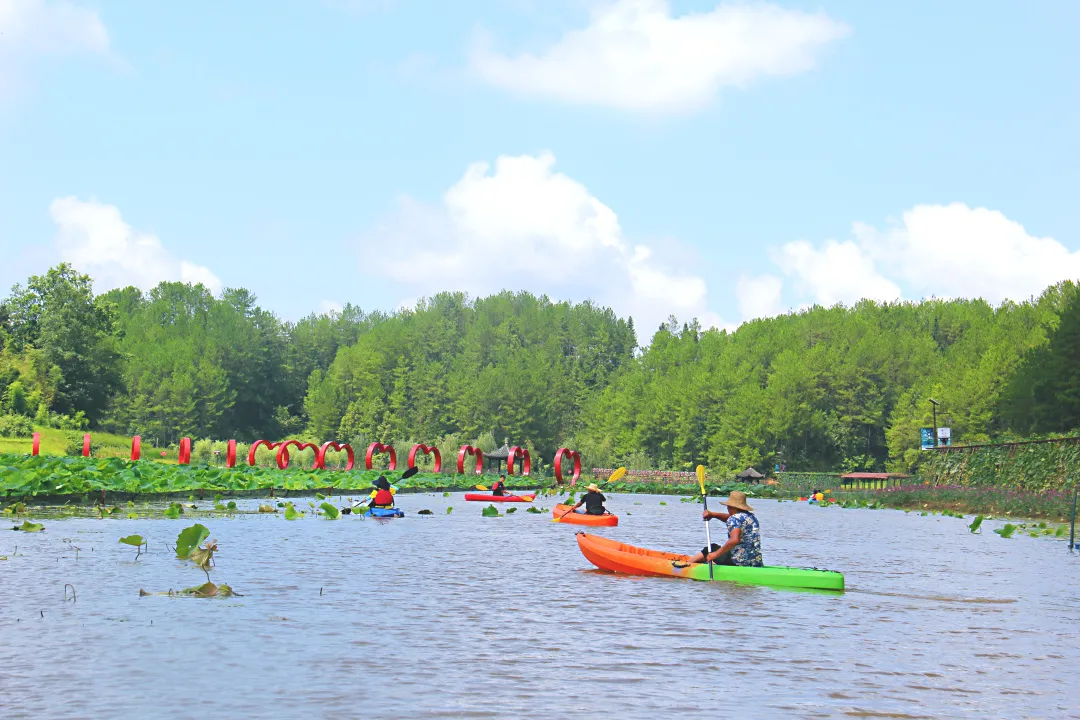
[
  {"x": 498, "y": 488},
  {"x": 594, "y": 502}
]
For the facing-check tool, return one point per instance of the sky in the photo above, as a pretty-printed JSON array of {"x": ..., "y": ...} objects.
[{"x": 724, "y": 161}]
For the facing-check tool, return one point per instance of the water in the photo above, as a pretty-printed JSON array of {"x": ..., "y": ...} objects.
[{"x": 463, "y": 616}]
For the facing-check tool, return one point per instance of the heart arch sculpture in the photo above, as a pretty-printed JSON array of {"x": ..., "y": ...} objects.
[
  {"x": 320, "y": 459},
  {"x": 526, "y": 466},
  {"x": 282, "y": 456},
  {"x": 377, "y": 447},
  {"x": 256, "y": 445},
  {"x": 467, "y": 450},
  {"x": 427, "y": 450},
  {"x": 575, "y": 456}
]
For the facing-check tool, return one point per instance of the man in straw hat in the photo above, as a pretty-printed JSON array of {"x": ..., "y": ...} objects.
[
  {"x": 743, "y": 546},
  {"x": 593, "y": 501}
]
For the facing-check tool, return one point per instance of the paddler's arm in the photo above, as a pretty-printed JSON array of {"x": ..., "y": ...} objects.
[
  {"x": 732, "y": 541},
  {"x": 710, "y": 515}
]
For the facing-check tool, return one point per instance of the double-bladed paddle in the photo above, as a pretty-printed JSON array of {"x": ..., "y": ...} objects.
[{"x": 404, "y": 476}]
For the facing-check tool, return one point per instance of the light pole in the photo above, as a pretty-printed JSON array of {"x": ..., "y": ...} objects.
[{"x": 935, "y": 403}]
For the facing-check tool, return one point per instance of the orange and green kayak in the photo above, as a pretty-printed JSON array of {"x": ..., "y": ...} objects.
[
  {"x": 618, "y": 557},
  {"x": 562, "y": 514}
]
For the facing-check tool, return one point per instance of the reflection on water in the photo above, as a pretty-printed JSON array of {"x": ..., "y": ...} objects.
[{"x": 463, "y": 616}]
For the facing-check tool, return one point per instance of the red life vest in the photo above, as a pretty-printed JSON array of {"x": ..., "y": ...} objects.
[
  {"x": 498, "y": 485},
  {"x": 383, "y": 498}
]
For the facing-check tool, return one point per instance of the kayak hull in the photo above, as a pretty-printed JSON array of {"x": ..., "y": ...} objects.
[
  {"x": 385, "y": 513},
  {"x": 562, "y": 514},
  {"x": 486, "y": 497},
  {"x": 615, "y": 556}
]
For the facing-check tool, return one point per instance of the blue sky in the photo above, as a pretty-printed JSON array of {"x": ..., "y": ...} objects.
[{"x": 691, "y": 157}]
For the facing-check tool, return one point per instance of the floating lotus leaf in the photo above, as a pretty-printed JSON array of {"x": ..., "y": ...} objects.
[
  {"x": 28, "y": 526},
  {"x": 331, "y": 512}
]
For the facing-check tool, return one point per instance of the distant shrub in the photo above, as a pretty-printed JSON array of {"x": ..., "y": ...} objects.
[{"x": 15, "y": 426}]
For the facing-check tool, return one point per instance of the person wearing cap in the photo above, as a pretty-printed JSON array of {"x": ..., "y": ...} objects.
[
  {"x": 498, "y": 488},
  {"x": 743, "y": 546},
  {"x": 593, "y": 501}
]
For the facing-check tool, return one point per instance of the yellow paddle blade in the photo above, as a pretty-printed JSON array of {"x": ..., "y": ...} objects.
[
  {"x": 701, "y": 477},
  {"x": 617, "y": 475},
  {"x": 482, "y": 488}
]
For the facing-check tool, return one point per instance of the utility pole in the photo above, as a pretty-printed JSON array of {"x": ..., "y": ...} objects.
[{"x": 935, "y": 403}]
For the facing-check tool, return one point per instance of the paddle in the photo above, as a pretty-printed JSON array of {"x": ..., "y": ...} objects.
[
  {"x": 404, "y": 476},
  {"x": 705, "y": 501},
  {"x": 614, "y": 476}
]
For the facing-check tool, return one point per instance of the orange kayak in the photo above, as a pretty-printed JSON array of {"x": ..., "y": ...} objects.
[
  {"x": 619, "y": 557},
  {"x": 561, "y": 513}
]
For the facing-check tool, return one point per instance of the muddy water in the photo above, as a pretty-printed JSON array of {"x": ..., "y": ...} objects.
[{"x": 463, "y": 616}]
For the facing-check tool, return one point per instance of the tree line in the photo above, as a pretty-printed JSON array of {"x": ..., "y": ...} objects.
[{"x": 821, "y": 389}]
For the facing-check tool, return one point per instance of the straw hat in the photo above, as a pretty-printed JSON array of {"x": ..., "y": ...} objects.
[
  {"x": 594, "y": 487},
  {"x": 737, "y": 499}
]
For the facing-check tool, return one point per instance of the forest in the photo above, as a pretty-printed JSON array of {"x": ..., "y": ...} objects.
[{"x": 822, "y": 389}]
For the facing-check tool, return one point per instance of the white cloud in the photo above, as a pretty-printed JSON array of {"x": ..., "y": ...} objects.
[
  {"x": 838, "y": 272},
  {"x": 634, "y": 55},
  {"x": 941, "y": 250},
  {"x": 35, "y": 28},
  {"x": 521, "y": 225},
  {"x": 94, "y": 238},
  {"x": 759, "y": 297},
  {"x": 958, "y": 251}
]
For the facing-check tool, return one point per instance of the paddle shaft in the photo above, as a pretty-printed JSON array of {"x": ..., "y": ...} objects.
[{"x": 708, "y": 535}]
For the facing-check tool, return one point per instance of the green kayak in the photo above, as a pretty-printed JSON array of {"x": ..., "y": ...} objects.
[{"x": 619, "y": 557}]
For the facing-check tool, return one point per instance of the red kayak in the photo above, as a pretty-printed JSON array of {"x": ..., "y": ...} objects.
[{"x": 486, "y": 497}]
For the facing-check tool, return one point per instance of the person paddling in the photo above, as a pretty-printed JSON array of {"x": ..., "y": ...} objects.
[
  {"x": 498, "y": 488},
  {"x": 743, "y": 546},
  {"x": 384, "y": 496},
  {"x": 593, "y": 501}
]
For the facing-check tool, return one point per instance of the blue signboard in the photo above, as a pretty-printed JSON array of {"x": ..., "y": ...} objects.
[{"x": 927, "y": 438}]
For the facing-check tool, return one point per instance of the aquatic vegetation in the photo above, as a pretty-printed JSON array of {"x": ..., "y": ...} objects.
[
  {"x": 267, "y": 508},
  {"x": 174, "y": 511},
  {"x": 491, "y": 511},
  {"x": 291, "y": 512},
  {"x": 187, "y": 547},
  {"x": 1006, "y": 531},
  {"x": 533, "y": 510},
  {"x": 28, "y": 526},
  {"x": 189, "y": 539},
  {"x": 511, "y": 510},
  {"x": 137, "y": 542},
  {"x": 976, "y": 523},
  {"x": 449, "y": 509},
  {"x": 329, "y": 511},
  {"x": 424, "y": 512}
]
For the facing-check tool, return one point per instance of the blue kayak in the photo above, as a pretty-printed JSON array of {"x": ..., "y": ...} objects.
[{"x": 385, "y": 513}]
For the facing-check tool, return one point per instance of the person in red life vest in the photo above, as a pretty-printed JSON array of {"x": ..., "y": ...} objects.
[
  {"x": 384, "y": 496},
  {"x": 498, "y": 488}
]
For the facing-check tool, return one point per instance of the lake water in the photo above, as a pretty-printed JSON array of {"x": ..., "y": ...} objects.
[{"x": 463, "y": 616}]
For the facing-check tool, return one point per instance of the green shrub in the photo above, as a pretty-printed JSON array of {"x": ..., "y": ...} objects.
[{"x": 15, "y": 426}]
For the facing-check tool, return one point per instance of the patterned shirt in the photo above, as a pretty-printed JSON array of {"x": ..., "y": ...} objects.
[{"x": 748, "y": 551}]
